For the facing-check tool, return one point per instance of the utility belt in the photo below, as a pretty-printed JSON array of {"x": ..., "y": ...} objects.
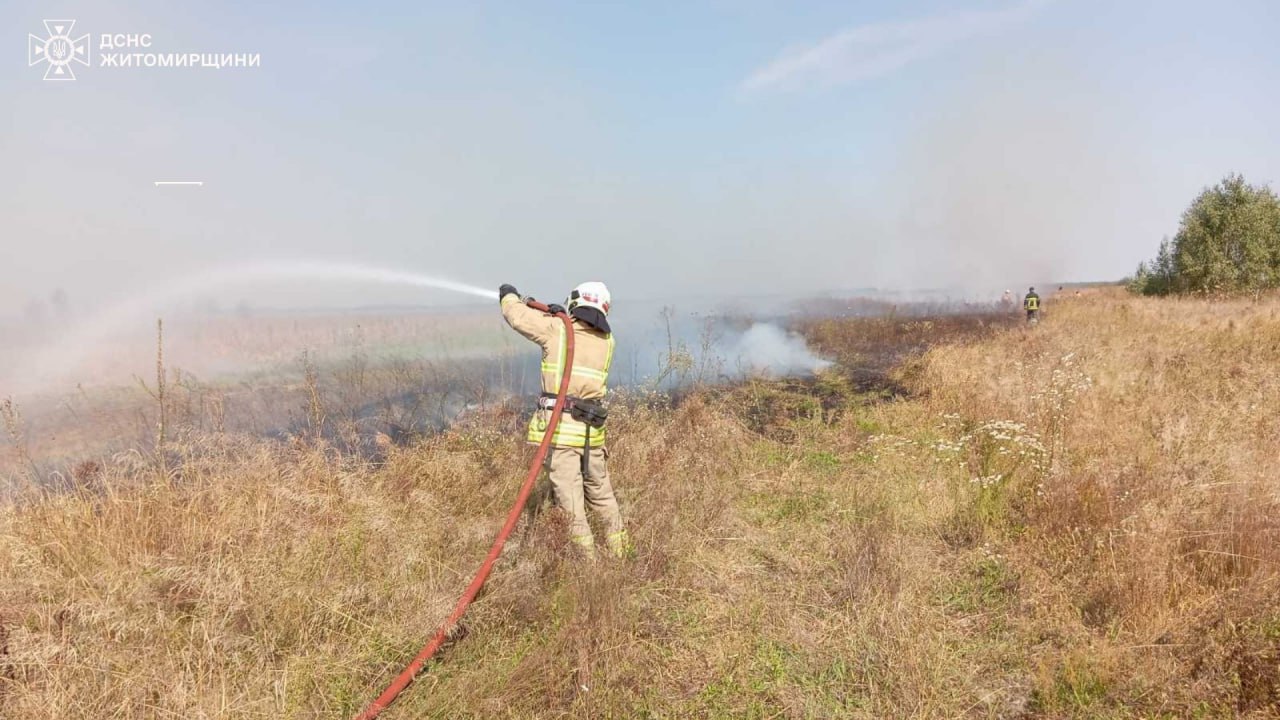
[{"x": 591, "y": 413}]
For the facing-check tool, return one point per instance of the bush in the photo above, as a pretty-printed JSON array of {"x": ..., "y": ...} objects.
[{"x": 1228, "y": 242}]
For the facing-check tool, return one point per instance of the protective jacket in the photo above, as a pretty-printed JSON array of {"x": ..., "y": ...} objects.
[
  {"x": 1031, "y": 302},
  {"x": 588, "y": 379}
]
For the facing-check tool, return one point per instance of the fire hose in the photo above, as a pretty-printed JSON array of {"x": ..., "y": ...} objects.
[{"x": 410, "y": 672}]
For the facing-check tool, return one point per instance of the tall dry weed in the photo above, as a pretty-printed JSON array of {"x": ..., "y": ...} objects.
[{"x": 1078, "y": 520}]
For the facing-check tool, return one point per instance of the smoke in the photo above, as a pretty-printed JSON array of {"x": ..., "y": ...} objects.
[
  {"x": 766, "y": 349},
  {"x": 672, "y": 348},
  {"x": 1016, "y": 178}
]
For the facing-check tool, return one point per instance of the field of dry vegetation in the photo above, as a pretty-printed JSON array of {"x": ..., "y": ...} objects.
[{"x": 1077, "y": 521}]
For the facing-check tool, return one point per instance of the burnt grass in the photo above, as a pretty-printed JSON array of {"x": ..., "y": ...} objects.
[
  {"x": 870, "y": 351},
  {"x": 365, "y": 407},
  {"x": 873, "y": 358}
]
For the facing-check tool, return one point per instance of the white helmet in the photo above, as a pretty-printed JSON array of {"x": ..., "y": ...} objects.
[{"x": 592, "y": 295}]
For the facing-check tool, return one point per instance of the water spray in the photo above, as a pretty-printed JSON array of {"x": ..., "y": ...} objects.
[{"x": 56, "y": 361}]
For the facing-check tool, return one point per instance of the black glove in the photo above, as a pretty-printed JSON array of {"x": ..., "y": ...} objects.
[
  {"x": 555, "y": 309},
  {"x": 505, "y": 290}
]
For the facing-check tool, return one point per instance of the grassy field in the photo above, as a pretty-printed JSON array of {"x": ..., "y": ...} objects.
[
  {"x": 1078, "y": 521},
  {"x": 392, "y": 372},
  {"x": 228, "y": 346}
]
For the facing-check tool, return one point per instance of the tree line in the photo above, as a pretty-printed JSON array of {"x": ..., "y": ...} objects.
[{"x": 1228, "y": 242}]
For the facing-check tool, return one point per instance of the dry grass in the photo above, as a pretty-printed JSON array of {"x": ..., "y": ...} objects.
[
  {"x": 1079, "y": 521},
  {"x": 227, "y": 346},
  {"x": 1150, "y": 547}
]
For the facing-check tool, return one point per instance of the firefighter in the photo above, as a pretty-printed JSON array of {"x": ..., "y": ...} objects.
[
  {"x": 1006, "y": 301},
  {"x": 1031, "y": 303},
  {"x": 578, "y": 460}
]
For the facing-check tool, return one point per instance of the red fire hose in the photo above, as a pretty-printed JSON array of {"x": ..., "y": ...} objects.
[{"x": 411, "y": 671}]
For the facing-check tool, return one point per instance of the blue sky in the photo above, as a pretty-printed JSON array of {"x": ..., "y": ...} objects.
[{"x": 667, "y": 148}]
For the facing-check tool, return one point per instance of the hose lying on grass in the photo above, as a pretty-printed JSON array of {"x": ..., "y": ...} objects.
[{"x": 406, "y": 676}]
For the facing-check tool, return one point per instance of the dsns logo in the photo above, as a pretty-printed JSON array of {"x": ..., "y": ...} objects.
[{"x": 58, "y": 49}]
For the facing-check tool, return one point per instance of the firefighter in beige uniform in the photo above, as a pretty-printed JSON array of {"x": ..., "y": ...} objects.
[{"x": 578, "y": 460}]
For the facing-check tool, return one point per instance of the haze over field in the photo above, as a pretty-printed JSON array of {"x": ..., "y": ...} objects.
[
  {"x": 672, "y": 150},
  {"x": 261, "y": 417}
]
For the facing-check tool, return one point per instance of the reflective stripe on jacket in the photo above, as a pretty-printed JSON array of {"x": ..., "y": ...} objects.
[
  {"x": 1032, "y": 302},
  {"x": 588, "y": 379}
]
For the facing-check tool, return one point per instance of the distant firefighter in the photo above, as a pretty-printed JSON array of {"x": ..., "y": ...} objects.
[
  {"x": 1006, "y": 301},
  {"x": 578, "y": 461},
  {"x": 1031, "y": 303}
]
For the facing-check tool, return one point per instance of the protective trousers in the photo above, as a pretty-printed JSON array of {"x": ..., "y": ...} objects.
[{"x": 575, "y": 492}]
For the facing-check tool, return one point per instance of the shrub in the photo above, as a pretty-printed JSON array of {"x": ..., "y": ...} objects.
[{"x": 1229, "y": 241}]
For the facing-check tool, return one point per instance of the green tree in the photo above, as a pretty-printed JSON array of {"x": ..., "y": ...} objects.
[{"x": 1229, "y": 241}]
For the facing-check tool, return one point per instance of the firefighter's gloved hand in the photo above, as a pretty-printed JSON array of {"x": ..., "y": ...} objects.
[
  {"x": 505, "y": 290},
  {"x": 555, "y": 309}
]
